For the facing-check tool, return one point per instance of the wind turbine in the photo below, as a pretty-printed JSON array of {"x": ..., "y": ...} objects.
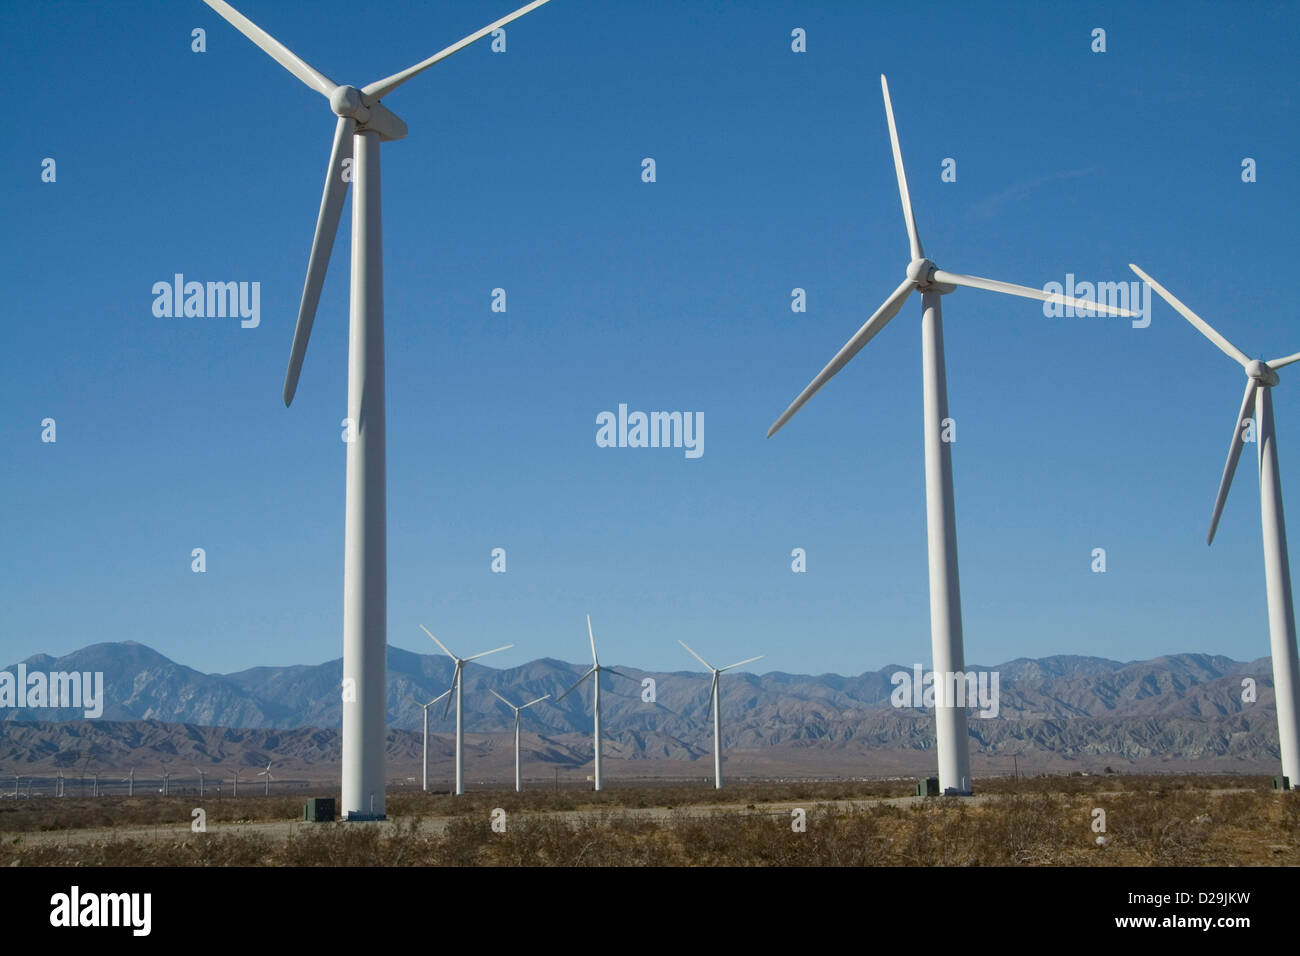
[
  {"x": 363, "y": 123},
  {"x": 1261, "y": 377},
  {"x": 426, "y": 707},
  {"x": 267, "y": 774},
  {"x": 200, "y": 780},
  {"x": 953, "y": 747},
  {"x": 518, "y": 779},
  {"x": 164, "y": 786},
  {"x": 715, "y": 708},
  {"x": 594, "y": 673},
  {"x": 235, "y": 795},
  {"x": 457, "y": 679},
  {"x": 129, "y": 780}
]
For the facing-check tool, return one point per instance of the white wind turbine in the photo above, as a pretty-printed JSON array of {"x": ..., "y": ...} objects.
[
  {"x": 1261, "y": 377},
  {"x": 596, "y": 670},
  {"x": 129, "y": 780},
  {"x": 425, "y": 708},
  {"x": 457, "y": 680},
  {"x": 363, "y": 123},
  {"x": 200, "y": 780},
  {"x": 924, "y": 276},
  {"x": 164, "y": 786},
  {"x": 517, "y": 710},
  {"x": 715, "y": 708},
  {"x": 236, "y": 791},
  {"x": 267, "y": 774}
]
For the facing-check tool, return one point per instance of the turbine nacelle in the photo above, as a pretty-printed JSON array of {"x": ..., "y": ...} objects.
[
  {"x": 1261, "y": 373},
  {"x": 351, "y": 103},
  {"x": 921, "y": 271}
]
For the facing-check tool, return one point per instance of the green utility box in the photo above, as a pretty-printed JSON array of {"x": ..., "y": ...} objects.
[
  {"x": 929, "y": 787},
  {"x": 1281, "y": 783},
  {"x": 319, "y": 810}
]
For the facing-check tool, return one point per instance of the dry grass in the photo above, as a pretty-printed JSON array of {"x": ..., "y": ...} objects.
[{"x": 1150, "y": 822}]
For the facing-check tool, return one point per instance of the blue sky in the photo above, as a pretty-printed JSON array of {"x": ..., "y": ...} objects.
[{"x": 522, "y": 171}]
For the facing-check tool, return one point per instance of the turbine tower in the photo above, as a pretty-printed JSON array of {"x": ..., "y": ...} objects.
[
  {"x": 363, "y": 123},
  {"x": 714, "y": 707},
  {"x": 457, "y": 680},
  {"x": 426, "y": 707},
  {"x": 953, "y": 747},
  {"x": 1261, "y": 377},
  {"x": 266, "y": 792},
  {"x": 521, "y": 707},
  {"x": 594, "y": 674}
]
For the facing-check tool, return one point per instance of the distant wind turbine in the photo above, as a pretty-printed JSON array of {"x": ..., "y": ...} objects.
[
  {"x": 267, "y": 774},
  {"x": 716, "y": 709},
  {"x": 165, "y": 775},
  {"x": 425, "y": 708},
  {"x": 200, "y": 770},
  {"x": 594, "y": 674},
  {"x": 1261, "y": 377},
  {"x": 521, "y": 707},
  {"x": 363, "y": 123},
  {"x": 953, "y": 745},
  {"x": 129, "y": 780},
  {"x": 235, "y": 793},
  {"x": 457, "y": 679}
]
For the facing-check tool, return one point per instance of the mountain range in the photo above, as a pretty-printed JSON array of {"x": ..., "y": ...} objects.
[{"x": 1183, "y": 711}]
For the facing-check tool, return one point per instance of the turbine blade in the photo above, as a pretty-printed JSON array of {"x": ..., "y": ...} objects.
[
  {"x": 712, "y": 687},
  {"x": 851, "y": 348},
  {"x": 610, "y": 670},
  {"x": 592, "y": 636},
  {"x": 502, "y": 699},
  {"x": 300, "y": 68},
  {"x": 748, "y": 660},
  {"x": 322, "y": 244},
  {"x": 455, "y": 679},
  {"x": 696, "y": 656},
  {"x": 1234, "y": 455},
  {"x": 440, "y": 696},
  {"x": 531, "y": 702},
  {"x": 474, "y": 657},
  {"x": 993, "y": 285},
  {"x": 575, "y": 686},
  {"x": 1206, "y": 329},
  {"x": 442, "y": 645},
  {"x": 381, "y": 88},
  {"x": 1276, "y": 364},
  {"x": 912, "y": 235}
]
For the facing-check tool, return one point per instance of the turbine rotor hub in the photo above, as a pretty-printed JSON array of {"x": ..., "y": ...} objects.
[
  {"x": 920, "y": 270},
  {"x": 350, "y": 102},
  {"x": 1261, "y": 373}
]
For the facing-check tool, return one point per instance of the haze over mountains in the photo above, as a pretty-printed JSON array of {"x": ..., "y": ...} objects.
[{"x": 1183, "y": 711}]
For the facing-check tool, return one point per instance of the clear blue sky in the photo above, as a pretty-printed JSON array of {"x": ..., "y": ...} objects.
[{"x": 522, "y": 171}]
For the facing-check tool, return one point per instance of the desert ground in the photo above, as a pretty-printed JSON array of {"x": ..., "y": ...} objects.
[{"x": 1075, "y": 820}]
